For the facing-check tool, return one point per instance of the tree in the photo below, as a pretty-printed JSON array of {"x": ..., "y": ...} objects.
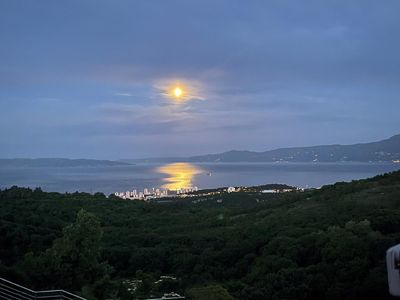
[
  {"x": 146, "y": 284},
  {"x": 212, "y": 292},
  {"x": 73, "y": 260}
]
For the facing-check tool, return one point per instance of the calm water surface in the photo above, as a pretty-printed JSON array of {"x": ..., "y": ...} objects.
[{"x": 178, "y": 175}]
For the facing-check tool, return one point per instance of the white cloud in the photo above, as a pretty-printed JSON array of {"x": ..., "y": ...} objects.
[{"x": 123, "y": 94}]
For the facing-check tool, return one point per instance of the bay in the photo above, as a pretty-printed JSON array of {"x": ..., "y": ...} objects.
[{"x": 179, "y": 175}]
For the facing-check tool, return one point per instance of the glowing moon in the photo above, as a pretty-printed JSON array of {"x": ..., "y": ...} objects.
[{"x": 178, "y": 92}]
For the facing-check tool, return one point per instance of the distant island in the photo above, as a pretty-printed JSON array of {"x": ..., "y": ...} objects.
[
  {"x": 58, "y": 162},
  {"x": 382, "y": 151}
]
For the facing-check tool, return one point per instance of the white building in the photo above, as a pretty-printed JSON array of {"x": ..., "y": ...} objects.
[
  {"x": 231, "y": 189},
  {"x": 269, "y": 191}
]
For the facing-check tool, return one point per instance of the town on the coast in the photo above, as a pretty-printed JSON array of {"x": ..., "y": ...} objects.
[{"x": 157, "y": 193}]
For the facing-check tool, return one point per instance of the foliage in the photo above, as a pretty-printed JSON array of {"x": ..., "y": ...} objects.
[
  {"x": 320, "y": 244},
  {"x": 214, "y": 292},
  {"x": 72, "y": 261}
]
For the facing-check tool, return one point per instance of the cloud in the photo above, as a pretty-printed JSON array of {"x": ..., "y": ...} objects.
[
  {"x": 258, "y": 74},
  {"x": 123, "y": 94}
]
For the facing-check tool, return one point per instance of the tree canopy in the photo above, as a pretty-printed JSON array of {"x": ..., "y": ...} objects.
[{"x": 318, "y": 244}]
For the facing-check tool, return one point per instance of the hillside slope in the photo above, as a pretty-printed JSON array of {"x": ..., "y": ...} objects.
[
  {"x": 385, "y": 150},
  {"x": 322, "y": 244}
]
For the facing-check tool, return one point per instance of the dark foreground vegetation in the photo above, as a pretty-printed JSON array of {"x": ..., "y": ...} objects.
[{"x": 322, "y": 244}]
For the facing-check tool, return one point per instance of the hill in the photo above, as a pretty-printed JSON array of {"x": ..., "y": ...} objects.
[
  {"x": 57, "y": 162},
  {"x": 318, "y": 244},
  {"x": 386, "y": 150},
  {"x": 382, "y": 151}
]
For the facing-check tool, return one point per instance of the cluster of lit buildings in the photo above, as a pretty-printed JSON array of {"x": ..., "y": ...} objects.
[
  {"x": 143, "y": 195},
  {"x": 274, "y": 191},
  {"x": 154, "y": 193},
  {"x": 157, "y": 193},
  {"x": 187, "y": 190}
]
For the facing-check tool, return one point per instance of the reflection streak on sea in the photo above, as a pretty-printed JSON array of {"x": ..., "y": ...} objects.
[{"x": 179, "y": 175}]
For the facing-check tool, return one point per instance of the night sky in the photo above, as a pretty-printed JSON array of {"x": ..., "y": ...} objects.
[{"x": 92, "y": 79}]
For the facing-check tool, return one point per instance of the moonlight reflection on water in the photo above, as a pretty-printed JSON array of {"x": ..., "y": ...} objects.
[{"x": 179, "y": 175}]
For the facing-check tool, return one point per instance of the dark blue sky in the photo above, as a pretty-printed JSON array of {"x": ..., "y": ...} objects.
[{"x": 87, "y": 78}]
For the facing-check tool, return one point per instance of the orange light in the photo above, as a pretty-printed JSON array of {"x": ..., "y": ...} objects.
[
  {"x": 178, "y": 92},
  {"x": 179, "y": 175}
]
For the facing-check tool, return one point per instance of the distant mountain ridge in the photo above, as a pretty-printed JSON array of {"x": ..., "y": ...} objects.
[
  {"x": 385, "y": 150},
  {"x": 58, "y": 162},
  {"x": 381, "y": 151}
]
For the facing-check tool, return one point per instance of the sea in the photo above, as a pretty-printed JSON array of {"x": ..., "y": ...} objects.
[{"x": 180, "y": 175}]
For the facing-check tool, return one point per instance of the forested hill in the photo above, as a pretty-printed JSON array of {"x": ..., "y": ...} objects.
[
  {"x": 382, "y": 151},
  {"x": 321, "y": 244},
  {"x": 386, "y": 150},
  {"x": 57, "y": 162}
]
